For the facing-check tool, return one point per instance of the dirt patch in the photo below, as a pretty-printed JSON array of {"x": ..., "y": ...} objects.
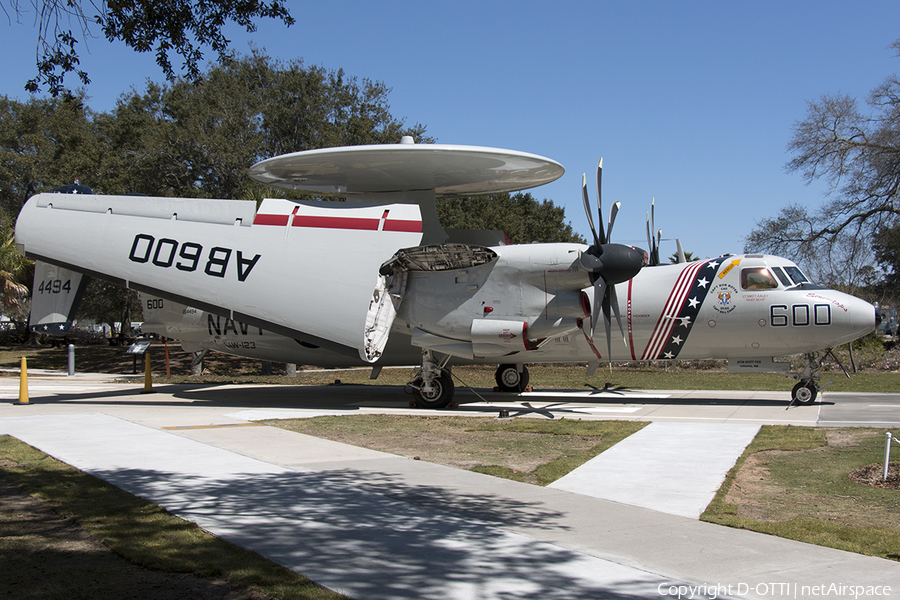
[
  {"x": 842, "y": 438},
  {"x": 49, "y": 556},
  {"x": 753, "y": 491},
  {"x": 874, "y": 475}
]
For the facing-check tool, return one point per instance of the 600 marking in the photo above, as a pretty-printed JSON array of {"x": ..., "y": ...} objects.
[
  {"x": 799, "y": 315},
  {"x": 188, "y": 256}
]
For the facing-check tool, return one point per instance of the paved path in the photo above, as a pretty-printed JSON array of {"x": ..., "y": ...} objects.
[
  {"x": 675, "y": 468},
  {"x": 381, "y": 526}
]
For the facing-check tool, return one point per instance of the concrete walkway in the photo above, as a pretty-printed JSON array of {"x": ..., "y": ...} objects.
[
  {"x": 375, "y": 525},
  {"x": 675, "y": 468},
  {"x": 330, "y": 526}
]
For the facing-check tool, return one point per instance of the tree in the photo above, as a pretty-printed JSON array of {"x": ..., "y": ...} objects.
[
  {"x": 198, "y": 138},
  {"x": 520, "y": 216},
  {"x": 887, "y": 252},
  {"x": 688, "y": 257},
  {"x": 178, "y": 26},
  {"x": 858, "y": 154},
  {"x": 44, "y": 143},
  {"x": 13, "y": 270}
]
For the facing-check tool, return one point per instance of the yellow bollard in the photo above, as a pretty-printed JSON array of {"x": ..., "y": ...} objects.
[
  {"x": 148, "y": 377},
  {"x": 23, "y": 383}
]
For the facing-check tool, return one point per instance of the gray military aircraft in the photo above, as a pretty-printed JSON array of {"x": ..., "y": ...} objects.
[{"x": 332, "y": 283}]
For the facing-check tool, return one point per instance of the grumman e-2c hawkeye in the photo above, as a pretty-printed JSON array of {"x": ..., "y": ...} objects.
[{"x": 341, "y": 279}]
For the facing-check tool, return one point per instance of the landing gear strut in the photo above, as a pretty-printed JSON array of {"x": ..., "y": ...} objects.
[
  {"x": 806, "y": 390},
  {"x": 433, "y": 385},
  {"x": 512, "y": 378}
]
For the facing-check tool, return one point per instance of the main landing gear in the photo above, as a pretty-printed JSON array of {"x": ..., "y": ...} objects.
[
  {"x": 512, "y": 378},
  {"x": 433, "y": 386}
]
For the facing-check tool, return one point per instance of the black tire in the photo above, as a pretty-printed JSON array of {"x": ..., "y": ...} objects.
[
  {"x": 441, "y": 395},
  {"x": 510, "y": 380},
  {"x": 805, "y": 392}
]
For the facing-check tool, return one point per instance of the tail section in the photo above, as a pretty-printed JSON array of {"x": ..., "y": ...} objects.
[{"x": 55, "y": 297}]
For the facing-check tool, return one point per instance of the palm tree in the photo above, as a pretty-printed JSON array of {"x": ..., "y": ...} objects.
[{"x": 14, "y": 269}]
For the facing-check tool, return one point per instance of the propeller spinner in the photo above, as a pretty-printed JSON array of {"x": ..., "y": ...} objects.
[{"x": 606, "y": 263}]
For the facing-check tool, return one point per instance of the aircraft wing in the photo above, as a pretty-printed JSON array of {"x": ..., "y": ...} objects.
[
  {"x": 55, "y": 298},
  {"x": 305, "y": 270}
]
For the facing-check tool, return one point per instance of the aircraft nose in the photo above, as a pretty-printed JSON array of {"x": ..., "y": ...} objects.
[{"x": 863, "y": 316}]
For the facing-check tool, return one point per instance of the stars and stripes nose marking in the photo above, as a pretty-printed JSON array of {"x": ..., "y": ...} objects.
[{"x": 680, "y": 310}]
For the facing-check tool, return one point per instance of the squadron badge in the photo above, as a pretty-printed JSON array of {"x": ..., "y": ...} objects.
[{"x": 725, "y": 294}]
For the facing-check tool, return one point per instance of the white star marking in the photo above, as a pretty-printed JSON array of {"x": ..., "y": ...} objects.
[
  {"x": 693, "y": 302},
  {"x": 669, "y": 355},
  {"x": 703, "y": 282},
  {"x": 677, "y": 340},
  {"x": 685, "y": 321},
  {"x": 712, "y": 264}
]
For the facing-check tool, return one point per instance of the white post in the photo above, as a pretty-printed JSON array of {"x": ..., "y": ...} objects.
[
  {"x": 71, "y": 350},
  {"x": 887, "y": 454}
]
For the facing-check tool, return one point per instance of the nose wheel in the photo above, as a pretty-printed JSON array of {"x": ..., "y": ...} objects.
[{"x": 805, "y": 392}]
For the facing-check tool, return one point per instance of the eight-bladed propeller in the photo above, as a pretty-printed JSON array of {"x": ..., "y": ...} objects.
[{"x": 606, "y": 263}]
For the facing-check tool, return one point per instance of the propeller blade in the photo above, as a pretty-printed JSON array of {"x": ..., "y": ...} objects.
[
  {"x": 599, "y": 295},
  {"x": 612, "y": 217},
  {"x": 606, "y": 322},
  {"x": 614, "y": 300},
  {"x": 656, "y": 246},
  {"x": 600, "y": 199},
  {"x": 591, "y": 263},
  {"x": 649, "y": 239},
  {"x": 587, "y": 208}
]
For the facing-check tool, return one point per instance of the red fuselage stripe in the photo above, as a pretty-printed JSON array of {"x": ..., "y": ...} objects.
[
  {"x": 353, "y": 223},
  {"x": 271, "y": 220}
]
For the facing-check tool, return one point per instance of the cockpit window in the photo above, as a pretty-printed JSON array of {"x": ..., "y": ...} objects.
[
  {"x": 782, "y": 277},
  {"x": 757, "y": 278},
  {"x": 797, "y": 275}
]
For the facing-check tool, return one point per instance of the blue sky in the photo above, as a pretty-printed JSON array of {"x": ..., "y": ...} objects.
[{"x": 692, "y": 103}]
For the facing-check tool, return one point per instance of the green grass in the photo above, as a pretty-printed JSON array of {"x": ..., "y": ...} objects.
[
  {"x": 529, "y": 450},
  {"x": 141, "y": 532},
  {"x": 796, "y": 485}
]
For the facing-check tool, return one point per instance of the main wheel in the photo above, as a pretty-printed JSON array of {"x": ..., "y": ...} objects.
[
  {"x": 805, "y": 392},
  {"x": 440, "y": 395},
  {"x": 509, "y": 379}
]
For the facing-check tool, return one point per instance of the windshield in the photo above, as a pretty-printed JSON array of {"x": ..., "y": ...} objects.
[
  {"x": 757, "y": 278},
  {"x": 796, "y": 275}
]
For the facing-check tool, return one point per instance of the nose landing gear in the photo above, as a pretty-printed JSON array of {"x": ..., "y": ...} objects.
[
  {"x": 805, "y": 392},
  {"x": 807, "y": 388}
]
